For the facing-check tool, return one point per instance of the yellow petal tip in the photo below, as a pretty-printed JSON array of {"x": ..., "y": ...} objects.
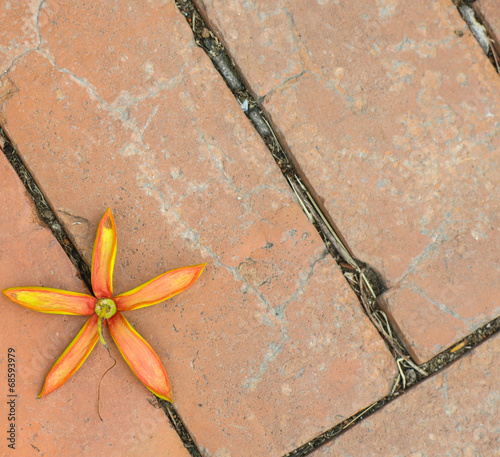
[{"x": 169, "y": 398}]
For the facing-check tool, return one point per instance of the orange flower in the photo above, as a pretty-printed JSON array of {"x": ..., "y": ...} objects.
[{"x": 104, "y": 308}]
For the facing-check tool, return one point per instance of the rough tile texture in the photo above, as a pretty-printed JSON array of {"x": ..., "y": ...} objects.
[
  {"x": 119, "y": 108},
  {"x": 489, "y": 12},
  {"x": 453, "y": 414},
  {"x": 64, "y": 423},
  {"x": 393, "y": 118}
]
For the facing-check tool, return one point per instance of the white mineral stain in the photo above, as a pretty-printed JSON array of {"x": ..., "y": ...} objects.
[
  {"x": 286, "y": 390},
  {"x": 149, "y": 69},
  {"x": 130, "y": 149}
]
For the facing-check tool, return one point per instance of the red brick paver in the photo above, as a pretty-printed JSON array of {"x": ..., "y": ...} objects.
[
  {"x": 453, "y": 414},
  {"x": 393, "y": 117},
  {"x": 119, "y": 108},
  {"x": 64, "y": 423}
]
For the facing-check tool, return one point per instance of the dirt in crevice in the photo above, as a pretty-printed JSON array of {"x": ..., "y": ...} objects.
[
  {"x": 432, "y": 367},
  {"x": 364, "y": 280},
  {"x": 480, "y": 29}
]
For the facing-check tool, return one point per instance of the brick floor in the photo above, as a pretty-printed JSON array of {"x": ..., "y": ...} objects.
[
  {"x": 391, "y": 113},
  {"x": 64, "y": 423},
  {"x": 119, "y": 108},
  {"x": 392, "y": 116},
  {"x": 453, "y": 414}
]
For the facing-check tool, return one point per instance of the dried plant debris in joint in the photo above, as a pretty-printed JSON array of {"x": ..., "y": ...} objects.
[
  {"x": 47, "y": 214},
  {"x": 433, "y": 366},
  {"x": 364, "y": 281},
  {"x": 179, "y": 427},
  {"x": 479, "y": 31}
]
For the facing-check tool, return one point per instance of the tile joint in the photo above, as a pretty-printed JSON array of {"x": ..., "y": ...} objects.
[
  {"x": 480, "y": 29},
  {"x": 364, "y": 280},
  {"x": 49, "y": 217},
  {"x": 45, "y": 211},
  {"x": 432, "y": 367}
]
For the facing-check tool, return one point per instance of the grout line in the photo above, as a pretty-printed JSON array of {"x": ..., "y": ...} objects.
[
  {"x": 433, "y": 366},
  {"x": 364, "y": 281},
  {"x": 49, "y": 217}
]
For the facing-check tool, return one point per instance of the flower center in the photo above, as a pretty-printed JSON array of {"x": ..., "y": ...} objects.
[{"x": 105, "y": 308}]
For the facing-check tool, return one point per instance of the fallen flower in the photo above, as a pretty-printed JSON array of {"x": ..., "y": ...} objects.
[{"x": 104, "y": 308}]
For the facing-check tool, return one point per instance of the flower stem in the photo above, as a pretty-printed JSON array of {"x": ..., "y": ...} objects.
[{"x": 101, "y": 334}]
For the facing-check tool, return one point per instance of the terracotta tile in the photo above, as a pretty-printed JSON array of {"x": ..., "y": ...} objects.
[
  {"x": 393, "y": 121},
  {"x": 270, "y": 347},
  {"x": 452, "y": 414},
  {"x": 490, "y": 14},
  {"x": 66, "y": 421}
]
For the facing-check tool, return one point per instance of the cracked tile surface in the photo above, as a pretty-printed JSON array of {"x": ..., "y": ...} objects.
[
  {"x": 66, "y": 421},
  {"x": 270, "y": 347},
  {"x": 453, "y": 414},
  {"x": 393, "y": 118}
]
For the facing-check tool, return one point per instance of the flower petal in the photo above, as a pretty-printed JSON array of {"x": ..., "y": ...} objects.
[
  {"x": 72, "y": 358},
  {"x": 159, "y": 289},
  {"x": 140, "y": 357},
  {"x": 103, "y": 257},
  {"x": 52, "y": 301}
]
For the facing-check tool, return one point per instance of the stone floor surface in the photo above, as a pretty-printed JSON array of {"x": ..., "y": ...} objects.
[{"x": 392, "y": 117}]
